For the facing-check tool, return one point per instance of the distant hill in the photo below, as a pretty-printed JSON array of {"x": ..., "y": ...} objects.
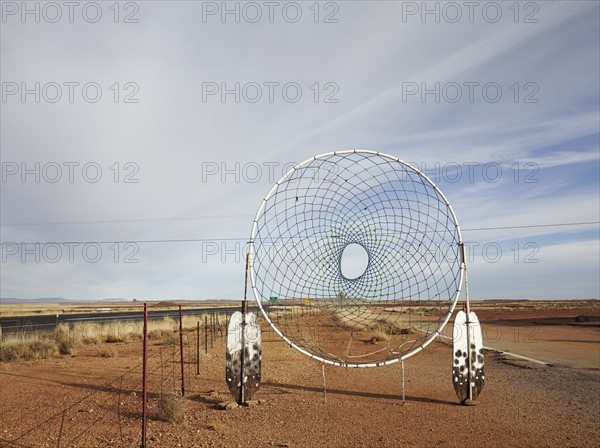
[
  {"x": 39, "y": 300},
  {"x": 57, "y": 300}
]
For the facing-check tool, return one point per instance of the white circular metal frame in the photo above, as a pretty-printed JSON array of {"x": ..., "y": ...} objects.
[{"x": 364, "y": 285}]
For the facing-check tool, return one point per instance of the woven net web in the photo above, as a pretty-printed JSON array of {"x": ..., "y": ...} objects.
[{"x": 356, "y": 259}]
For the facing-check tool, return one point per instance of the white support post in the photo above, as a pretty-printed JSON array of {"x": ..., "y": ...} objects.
[
  {"x": 402, "y": 368},
  {"x": 324, "y": 387}
]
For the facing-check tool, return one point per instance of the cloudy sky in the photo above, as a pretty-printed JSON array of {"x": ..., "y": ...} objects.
[{"x": 139, "y": 140}]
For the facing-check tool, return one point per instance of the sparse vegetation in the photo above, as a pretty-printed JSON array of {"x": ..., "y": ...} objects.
[
  {"x": 172, "y": 340},
  {"x": 15, "y": 350},
  {"x": 377, "y": 334},
  {"x": 106, "y": 352},
  {"x": 65, "y": 338},
  {"x": 66, "y": 347},
  {"x": 90, "y": 340},
  {"x": 154, "y": 334},
  {"x": 135, "y": 336},
  {"x": 395, "y": 328},
  {"x": 112, "y": 339},
  {"x": 384, "y": 331},
  {"x": 171, "y": 408}
]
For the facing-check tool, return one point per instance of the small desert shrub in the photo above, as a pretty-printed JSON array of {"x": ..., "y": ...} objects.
[
  {"x": 65, "y": 342},
  {"x": 61, "y": 331},
  {"x": 190, "y": 322},
  {"x": 113, "y": 338},
  {"x": 88, "y": 333},
  {"x": 66, "y": 347},
  {"x": 171, "y": 408},
  {"x": 106, "y": 352},
  {"x": 15, "y": 352},
  {"x": 134, "y": 337},
  {"x": 377, "y": 334},
  {"x": 44, "y": 348},
  {"x": 167, "y": 324},
  {"x": 24, "y": 347},
  {"x": 397, "y": 329},
  {"x": 172, "y": 340},
  {"x": 154, "y": 334},
  {"x": 90, "y": 340}
]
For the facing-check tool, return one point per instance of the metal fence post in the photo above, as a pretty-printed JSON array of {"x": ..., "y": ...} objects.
[
  {"x": 181, "y": 351},
  {"x": 144, "y": 374},
  {"x": 198, "y": 348}
]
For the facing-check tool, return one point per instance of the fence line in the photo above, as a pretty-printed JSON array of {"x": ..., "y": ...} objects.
[{"x": 117, "y": 402}]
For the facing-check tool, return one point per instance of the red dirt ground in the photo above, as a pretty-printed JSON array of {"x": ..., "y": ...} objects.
[{"x": 90, "y": 401}]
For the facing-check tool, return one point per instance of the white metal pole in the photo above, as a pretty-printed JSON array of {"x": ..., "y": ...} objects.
[
  {"x": 324, "y": 387},
  {"x": 402, "y": 367}
]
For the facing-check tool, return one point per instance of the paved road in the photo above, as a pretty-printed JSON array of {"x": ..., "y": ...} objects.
[{"x": 49, "y": 322}]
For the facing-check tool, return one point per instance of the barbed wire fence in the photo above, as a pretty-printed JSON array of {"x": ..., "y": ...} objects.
[{"x": 110, "y": 412}]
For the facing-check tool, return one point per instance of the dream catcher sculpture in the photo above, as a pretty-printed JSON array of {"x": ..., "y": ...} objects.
[{"x": 356, "y": 260}]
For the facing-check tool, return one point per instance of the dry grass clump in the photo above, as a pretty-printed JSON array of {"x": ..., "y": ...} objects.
[
  {"x": 171, "y": 408},
  {"x": 399, "y": 329},
  {"x": 39, "y": 345},
  {"x": 66, "y": 347},
  {"x": 381, "y": 333},
  {"x": 44, "y": 348},
  {"x": 113, "y": 339},
  {"x": 65, "y": 338},
  {"x": 106, "y": 352},
  {"x": 61, "y": 331},
  {"x": 97, "y": 333},
  {"x": 172, "y": 340},
  {"x": 15, "y": 352},
  {"x": 377, "y": 334},
  {"x": 408, "y": 330},
  {"x": 167, "y": 324},
  {"x": 90, "y": 340},
  {"x": 65, "y": 342},
  {"x": 190, "y": 322},
  {"x": 25, "y": 350},
  {"x": 154, "y": 334}
]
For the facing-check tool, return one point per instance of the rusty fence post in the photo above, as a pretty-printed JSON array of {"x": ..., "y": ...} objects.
[
  {"x": 181, "y": 351},
  {"x": 144, "y": 375},
  {"x": 198, "y": 348}
]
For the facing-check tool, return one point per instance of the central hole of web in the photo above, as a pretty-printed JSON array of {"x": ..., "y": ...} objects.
[{"x": 355, "y": 261}]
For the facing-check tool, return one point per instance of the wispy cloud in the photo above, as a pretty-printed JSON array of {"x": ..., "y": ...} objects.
[{"x": 172, "y": 135}]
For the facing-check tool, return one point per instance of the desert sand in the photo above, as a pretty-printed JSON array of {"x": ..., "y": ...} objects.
[{"x": 87, "y": 400}]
